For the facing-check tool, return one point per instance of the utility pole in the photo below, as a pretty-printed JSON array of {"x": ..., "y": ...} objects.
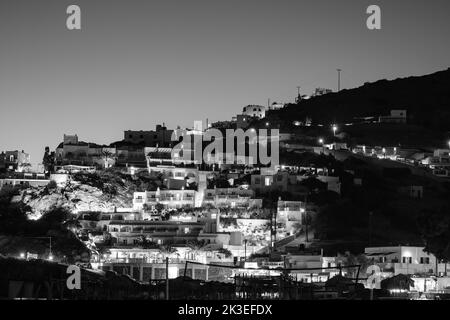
[
  {"x": 339, "y": 79},
  {"x": 306, "y": 219},
  {"x": 245, "y": 251},
  {"x": 306, "y": 227},
  {"x": 437, "y": 266},
  {"x": 275, "y": 229},
  {"x": 167, "y": 278},
  {"x": 299, "y": 98}
]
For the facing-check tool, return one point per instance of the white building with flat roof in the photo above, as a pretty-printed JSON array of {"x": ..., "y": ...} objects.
[
  {"x": 170, "y": 199},
  {"x": 404, "y": 260}
]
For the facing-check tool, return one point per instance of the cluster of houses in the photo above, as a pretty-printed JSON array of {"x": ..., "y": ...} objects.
[
  {"x": 437, "y": 161},
  {"x": 210, "y": 221}
]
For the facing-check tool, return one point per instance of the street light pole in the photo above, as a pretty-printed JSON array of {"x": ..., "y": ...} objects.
[
  {"x": 339, "y": 79},
  {"x": 306, "y": 219},
  {"x": 334, "y": 128},
  {"x": 167, "y": 278},
  {"x": 322, "y": 143},
  {"x": 245, "y": 250}
]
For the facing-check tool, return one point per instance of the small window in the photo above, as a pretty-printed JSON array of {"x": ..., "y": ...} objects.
[{"x": 425, "y": 260}]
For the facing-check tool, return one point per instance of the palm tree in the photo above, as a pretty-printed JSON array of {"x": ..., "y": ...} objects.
[
  {"x": 106, "y": 155},
  {"x": 195, "y": 247},
  {"x": 167, "y": 250}
]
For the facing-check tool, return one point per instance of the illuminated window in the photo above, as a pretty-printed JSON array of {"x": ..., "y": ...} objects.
[{"x": 267, "y": 181}]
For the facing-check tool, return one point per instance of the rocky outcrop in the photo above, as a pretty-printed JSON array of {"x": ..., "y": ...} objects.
[{"x": 75, "y": 197}]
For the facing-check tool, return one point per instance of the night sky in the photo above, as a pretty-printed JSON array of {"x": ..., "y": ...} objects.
[{"x": 138, "y": 63}]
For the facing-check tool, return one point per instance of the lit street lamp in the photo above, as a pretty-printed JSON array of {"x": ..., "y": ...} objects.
[
  {"x": 323, "y": 146},
  {"x": 334, "y": 128}
]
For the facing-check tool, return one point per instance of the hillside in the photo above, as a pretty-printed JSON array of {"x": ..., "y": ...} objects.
[
  {"x": 103, "y": 191},
  {"x": 426, "y": 98}
]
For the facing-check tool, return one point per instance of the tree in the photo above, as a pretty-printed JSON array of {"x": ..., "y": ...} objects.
[
  {"x": 227, "y": 253},
  {"x": 159, "y": 207},
  {"x": 26, "y": 167},
  {"x": 399, "y": 281},
  {"x": 434, "y": 226},
  {"x": 349, "y": 259},
  {"x": 73, "y": 225},
  {"x": 195, "y": 247},
  {"x": 106, "y": 156},
  {"x": 49, "y": 160},
  {"x": 167, "y": 250},
  {"x": 145, "y": 243}
]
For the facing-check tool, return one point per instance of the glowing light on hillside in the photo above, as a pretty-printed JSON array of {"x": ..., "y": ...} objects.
[{"x": 334, "y": 128}]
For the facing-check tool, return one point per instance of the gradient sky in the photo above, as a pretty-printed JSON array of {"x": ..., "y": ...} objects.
[{"x": 137, "y": 63}]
